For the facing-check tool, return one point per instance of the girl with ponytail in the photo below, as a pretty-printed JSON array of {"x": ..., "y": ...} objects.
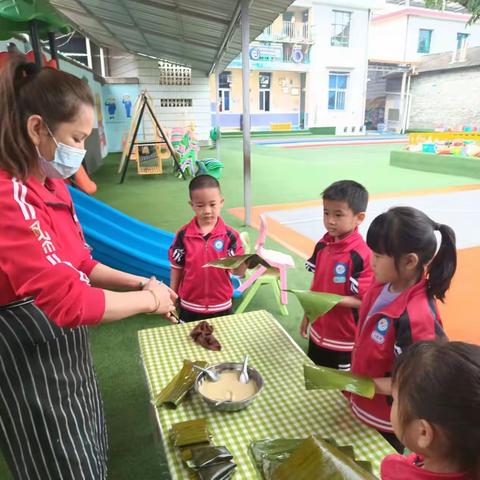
[{"x": 400, "y": 307}]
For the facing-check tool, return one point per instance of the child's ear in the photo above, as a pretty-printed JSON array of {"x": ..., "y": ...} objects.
[
  {"x": 411, "y": 261},
  {"x": 360, "y": 217},
  {"x": 425, "y": 434}
]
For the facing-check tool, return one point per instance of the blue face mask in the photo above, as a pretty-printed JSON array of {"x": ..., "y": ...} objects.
[{"x": 66, "y": 162}]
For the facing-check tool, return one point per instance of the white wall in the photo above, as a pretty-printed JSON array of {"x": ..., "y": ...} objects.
[
  {"x": 444, "y": 35},
  {"x": 199, "y": 91},
  {"x": 325, "y": 58},
  {"x": 387, "y": 40},
  {"x": 396, "y": 39},
  {"x": 148, "y": 74}
]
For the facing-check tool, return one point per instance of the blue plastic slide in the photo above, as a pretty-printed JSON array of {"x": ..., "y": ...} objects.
[{"x": 123, "y": 242}]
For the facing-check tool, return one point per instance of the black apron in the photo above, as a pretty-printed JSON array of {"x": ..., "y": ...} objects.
[{"x": 51, "y": 413}]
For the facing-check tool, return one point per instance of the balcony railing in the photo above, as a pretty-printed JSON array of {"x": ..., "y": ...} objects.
[{"x": 291, "y": 32}]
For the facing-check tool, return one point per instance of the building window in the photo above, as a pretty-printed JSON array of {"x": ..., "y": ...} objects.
[
  {"x": 175, "y": 102},
  {"x": 75, "y": 48},
  {"x": 462, "y": 40},
  {"x": 341, "y": 28},
  {"x": 424, "y": 40},
  {"x": 224, "y": 82},
  {"x": 264, "y": 83},
  {"x": 337, "y": 88},
  {"x": 393, "y": 114},
  {"x": 172, "y": 74}
]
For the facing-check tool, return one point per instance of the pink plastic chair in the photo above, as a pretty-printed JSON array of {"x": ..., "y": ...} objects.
[{"x": 278, "y": 260}]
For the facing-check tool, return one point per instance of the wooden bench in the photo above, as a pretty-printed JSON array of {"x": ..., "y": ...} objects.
[{"x": 276, "y": 127}]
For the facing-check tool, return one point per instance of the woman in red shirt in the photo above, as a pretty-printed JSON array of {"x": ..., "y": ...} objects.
[
  {"x": 436, "y": 413},
  {"x": 51, "y": 416}
]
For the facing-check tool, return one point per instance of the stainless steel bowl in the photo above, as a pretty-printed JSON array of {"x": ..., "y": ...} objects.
[{"x": 230, "y": 405}]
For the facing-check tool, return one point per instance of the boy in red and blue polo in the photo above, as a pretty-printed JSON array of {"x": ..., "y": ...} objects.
[
  {"x": 204, "y": 292},
  {"x": 341, "y": 265}
]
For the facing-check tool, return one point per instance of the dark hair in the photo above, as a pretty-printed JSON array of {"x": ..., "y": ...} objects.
[
  {"x": 353, "y": 193},
  {"x": 27, "y": 90},
  {"x": 403, "y": 230},
  {"x": 440, "y": 383},
  {"x": 203, "y": 181}
]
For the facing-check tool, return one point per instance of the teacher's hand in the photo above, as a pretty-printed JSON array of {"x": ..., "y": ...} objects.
[{"x": 165, "y": 298}]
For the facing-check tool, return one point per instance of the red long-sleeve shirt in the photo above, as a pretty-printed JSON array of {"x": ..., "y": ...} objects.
[
  {"x": 341, "y": 267},
  {"x": 407, "y": 467},
  {"x": 43, "y": 252}
]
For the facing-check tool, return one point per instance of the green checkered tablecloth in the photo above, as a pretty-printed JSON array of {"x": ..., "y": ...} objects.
[{"x": 283, "y": 409}]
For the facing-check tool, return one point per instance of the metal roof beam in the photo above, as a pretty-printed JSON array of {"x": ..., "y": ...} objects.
[
  {"x": 182, "y": 11},
  {"x": 195, "y": 43},
  {"x": 89, "y": 12},
  {"x": 228, "y": 34}
]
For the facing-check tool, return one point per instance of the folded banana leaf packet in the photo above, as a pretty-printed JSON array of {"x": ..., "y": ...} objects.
[
  {"x": 176, "y": 390},
  {"x": 221, "y": 471},
  {"x": 315, "y": 458},
  {"x": 202, "y": 457},
  {"x": 190, "y": 432},
  {"x": 269, "y": 454}
]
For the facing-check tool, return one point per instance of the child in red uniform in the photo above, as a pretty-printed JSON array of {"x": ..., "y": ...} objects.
[
  {"x": 436, "y": 413},
  {"x": 341, "y": 265},
  {"x": 204, "y": 292},
  {"x": 399, "y": 309}
]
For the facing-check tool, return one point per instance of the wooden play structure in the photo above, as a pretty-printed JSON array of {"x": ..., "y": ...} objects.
[{"x": 147, "y": 153}]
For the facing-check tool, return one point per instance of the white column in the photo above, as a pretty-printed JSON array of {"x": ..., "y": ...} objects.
[
  {"x": 102, "y": 62},
  {"x": 217, "y": 111},
  {"x": 89, "y": 53},
  {"x": 247, "y": 179},
  {"x": 402, "y": 101}
]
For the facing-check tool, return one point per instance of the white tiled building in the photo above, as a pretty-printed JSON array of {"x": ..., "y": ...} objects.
[
  {"x": 401, "y": 34},
  {"x": 404, "y": 34},
  {"x": 338, "y": 71}
]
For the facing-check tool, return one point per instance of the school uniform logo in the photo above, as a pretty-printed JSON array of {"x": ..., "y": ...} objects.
[
  {"x": 218, "y": 245},
  {"x": 381, "y": 329},
  {"x": 340, "y": 272}
]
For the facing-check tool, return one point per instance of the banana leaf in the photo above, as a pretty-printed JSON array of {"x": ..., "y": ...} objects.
[
  {"x": 324, "y": 378},
  {"x": 179, "y": 386},
  {"x": 316, "y": 304},
  {"x": 231, "y": 263},
  {"x": 221, "y": 471},
  {"x": 315, "y": 458},
  {"x": 190, "y": 432},
  {"x": 269, "y": 454},
  {"x": 201, "y": 457}
]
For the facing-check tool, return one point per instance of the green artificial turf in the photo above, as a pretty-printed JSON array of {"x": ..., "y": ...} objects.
[{"x": 278, "y": 176}]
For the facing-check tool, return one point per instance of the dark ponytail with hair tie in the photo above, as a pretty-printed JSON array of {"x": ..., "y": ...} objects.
[
  {"x": 404, "y": 230},
  {"x": 29, "y": 68},
  {"x": 442, "y": 268},
  {"x": 23, "y": 72}
]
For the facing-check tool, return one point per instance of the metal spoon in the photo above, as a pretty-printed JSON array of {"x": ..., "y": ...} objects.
[
  {"x": 228, "y": 398},
  {"x": 213, "y": 376},
  {"x": 244, "y": 378}
]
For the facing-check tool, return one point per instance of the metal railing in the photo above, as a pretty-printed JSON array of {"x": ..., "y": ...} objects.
[{"x": 293, "y": 32}]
